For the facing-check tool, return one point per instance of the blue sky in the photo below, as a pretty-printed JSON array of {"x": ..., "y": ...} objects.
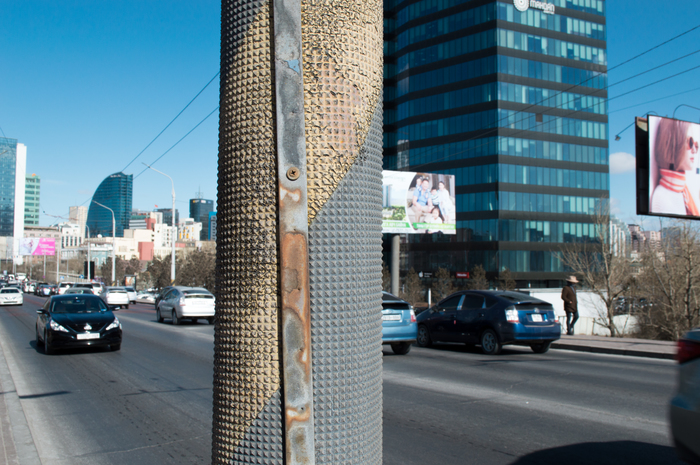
[{"x": 87, "y": 85}]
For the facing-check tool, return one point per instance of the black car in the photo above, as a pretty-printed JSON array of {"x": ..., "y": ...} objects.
[
  {"x": 77, "y": 320},
  {"x": 491, "y": 319}
]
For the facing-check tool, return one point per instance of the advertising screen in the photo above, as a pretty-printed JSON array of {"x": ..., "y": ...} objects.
[
  {"x": 672, "y": 168},
  {"x": 418, "y": 203},
  {"x": 37, "y": 246}
]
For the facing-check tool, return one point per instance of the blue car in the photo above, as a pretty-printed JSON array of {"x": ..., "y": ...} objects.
[
  {"x": 398, "y": 324},
  {"x": 491, "y": 319}
]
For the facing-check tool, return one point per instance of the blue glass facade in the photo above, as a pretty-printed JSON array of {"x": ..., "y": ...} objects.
[
  {"x": 114, "y": 192},
  {"x": 514, "y": 105},
  {"x": 199, "y": 211},
  {"x": 8, "y": 167}
]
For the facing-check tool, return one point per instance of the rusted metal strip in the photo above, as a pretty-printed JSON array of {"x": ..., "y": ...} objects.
[{"x": 294, "y": 235}]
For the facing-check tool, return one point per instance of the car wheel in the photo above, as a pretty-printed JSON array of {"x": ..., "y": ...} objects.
[
  {"x": 211, "y": 320},
  {"x": 47, "y": 347},
  {"x": 489, "y": 343},
  {"x": 115, "y": 347},
  {"x": 424, "y": 336},
  {"x": 175, "y": 319},
  {"x": 159, "y": 317},
  {"x": 39, "y": 342},
  {"x": 540, "y": 348},
  {"x": 126, "y": 307},
  {"x": 401, "y": 348}
]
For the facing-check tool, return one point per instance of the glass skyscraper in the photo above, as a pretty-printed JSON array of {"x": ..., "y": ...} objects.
[
  {"x": 114, "y": 192},
  {"x": 199, "y": 211},
  {"x": 32, "y": 197},
  {"x": 510, "y": 97},
  {"x": 13, "y": 162}
]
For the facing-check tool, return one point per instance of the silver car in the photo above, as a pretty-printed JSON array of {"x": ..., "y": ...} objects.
[
  {"x": 132, "y": 294},
  {"x": 685, "y": 406},
  {"x": 190, "y": 303}
]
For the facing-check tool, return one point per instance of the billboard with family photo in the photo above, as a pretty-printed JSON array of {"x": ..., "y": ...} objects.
[
  {"x": 668, "y": 170},
  {"x": 37, "y": 246},
  {"x": 418, "y": 203}
]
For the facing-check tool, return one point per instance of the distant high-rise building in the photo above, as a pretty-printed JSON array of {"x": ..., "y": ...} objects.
[
  {"x": 115, "y": 192},
  {"x": 168, "y": 215},
  {"x": 13, "y": 163},
  {"x": 32, "y": 191},
  {"x": 78, "y": 215},
  {"x": 199, "y": 211}
]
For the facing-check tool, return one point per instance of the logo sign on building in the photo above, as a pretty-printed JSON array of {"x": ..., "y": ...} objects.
[
  {"x": 418, "y": 203},
  {"x": 523, "y": 5},
  {"x": 37, "y": 246}
]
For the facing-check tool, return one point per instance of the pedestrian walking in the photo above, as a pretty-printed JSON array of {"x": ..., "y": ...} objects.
[{"x": 568, "y": 295}]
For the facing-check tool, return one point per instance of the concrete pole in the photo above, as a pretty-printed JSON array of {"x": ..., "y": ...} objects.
[
  {"x": 299, "y": 254},
  {"x": 395, "y": 256}
]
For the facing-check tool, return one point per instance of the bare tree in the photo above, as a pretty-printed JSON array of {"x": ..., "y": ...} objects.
[
  {"x": 506, "y": 281},
  {"x": 478, "y": 278},
  {"x": 413, "y": 288},
  {"x": 671, "y": 277},
  {"x": 605, "y": 271},
  {"x": 442, "y": 286},
  {"x": 198, "y": 270},
  {"x": 386, "y": 278}
]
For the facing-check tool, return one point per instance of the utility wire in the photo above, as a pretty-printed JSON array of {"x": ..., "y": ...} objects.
[
  {"x": 181, "y": 139},
  {"x": 171, "y": 122},
  {"x": 655, "y": 100}
]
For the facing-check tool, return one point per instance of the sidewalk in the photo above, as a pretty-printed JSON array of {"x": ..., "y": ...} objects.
[{"x": 617, "y": 346}]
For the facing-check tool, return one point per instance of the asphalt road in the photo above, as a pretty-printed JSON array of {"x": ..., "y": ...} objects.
[{"x": 151, "y": 402}]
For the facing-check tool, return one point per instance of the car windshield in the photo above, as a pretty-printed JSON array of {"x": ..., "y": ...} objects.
[
  {"x": 9, "y": 291},
  {"x": 78, "y": 304},
  {"x": 197, "y": 295},
  {"x": 77, "y": 291},
  {"x": 130, "y": 289}
]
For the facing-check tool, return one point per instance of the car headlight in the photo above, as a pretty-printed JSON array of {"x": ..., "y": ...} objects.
[
  {"x": 114, "y": 324},
  {"x": 56, "y": 327}
]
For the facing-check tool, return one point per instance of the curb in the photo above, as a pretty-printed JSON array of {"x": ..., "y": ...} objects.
[{"x": 613, "y": 351}]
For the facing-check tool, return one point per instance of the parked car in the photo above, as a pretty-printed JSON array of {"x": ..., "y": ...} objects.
[
  {"x": 77, "y": 320},
  {"x": 63, "y": 286},
  {"x": 11, "y": 296},
  {"x": 131, "y": 292},
  {"x": 399, "y": 326},
  {"x": 115, "y": 296},
  {"x": 685, "y": 405},
  {"x": 491, "y": 319},
  {"x": 190, "y": 303}
]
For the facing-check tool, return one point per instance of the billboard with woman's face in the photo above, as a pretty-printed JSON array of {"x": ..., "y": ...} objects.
[
  {"x": 418, "y": 203},
  {"x": 668, "y": 167}
]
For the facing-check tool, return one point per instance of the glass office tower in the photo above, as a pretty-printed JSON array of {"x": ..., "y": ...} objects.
[
  {"x": 8, "y": 168},
  {"x": 513, "y": 103},
  {"x": 32, "y": 200},
  {"x": 114, "y": 192},
  {"x": 199, "y": 211}
]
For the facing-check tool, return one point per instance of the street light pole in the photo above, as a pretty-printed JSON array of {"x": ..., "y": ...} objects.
[
  {"x": 172, "y": 260},
  {"x": 114, "y": 241}
]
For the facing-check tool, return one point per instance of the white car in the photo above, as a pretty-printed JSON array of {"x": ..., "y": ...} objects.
[
  {"x": 63, "y": 286},
  {"x": 132, "y": 294},
  {"x": 685, "y": 406},
  {"x": 115, "y": 297},
  {"x": 11, "y": 296},
  {"x": 190, "y": 303},
  {"x": 146, "y": 298}
]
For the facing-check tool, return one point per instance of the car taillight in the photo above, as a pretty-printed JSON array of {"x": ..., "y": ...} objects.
[
  {"x": 687, "y": 350},
  {"x": 512, "y": 315},
  {"x": 413, "y": 316},
  {"x": 556, "y": 317},
  {"x": 182, "y": 301}
]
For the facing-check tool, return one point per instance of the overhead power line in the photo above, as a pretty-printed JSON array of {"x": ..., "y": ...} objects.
[{"x": 172, "y": 121}]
